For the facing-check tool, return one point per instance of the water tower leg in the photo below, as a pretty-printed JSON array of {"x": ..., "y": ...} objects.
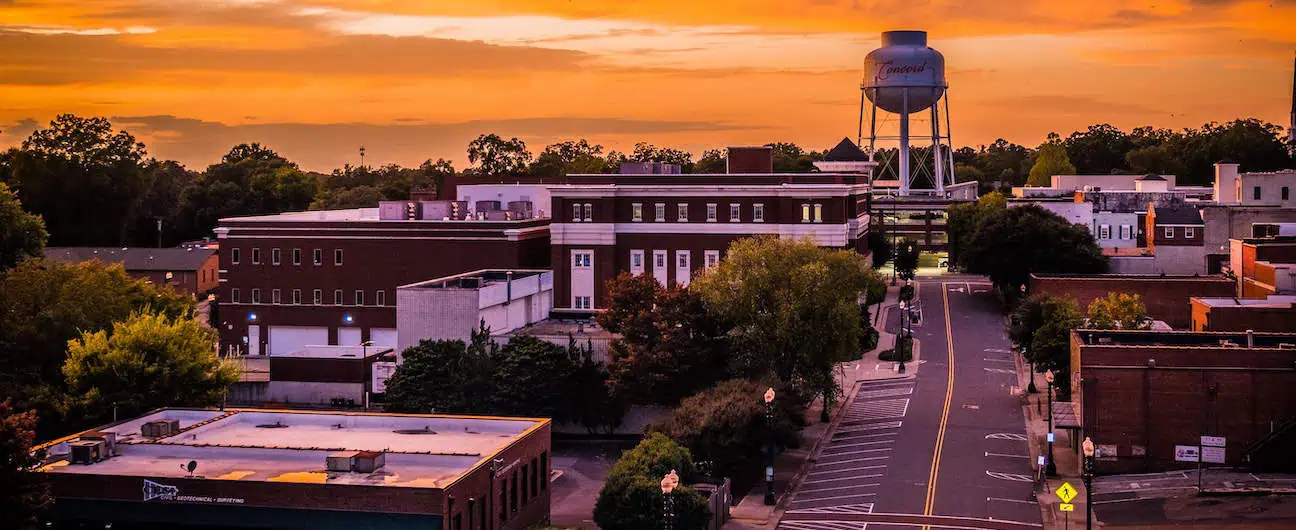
[
  {"x": 873, "y": 128},
  {"x": 904, "y": 143},
  {"x": 936, "y": 150},
  {"x": 949, "y": 137},
  {"x": 859, "y": 138}
]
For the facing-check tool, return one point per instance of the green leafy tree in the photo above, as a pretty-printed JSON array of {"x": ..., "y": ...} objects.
[
  {"x": 572, "y": 156},
  {"x": 1011, "y": 243},
  {"x": 165, "y": 181},
  {"x": 906, "y": 262},
  {"x": 1050, "y": 159},
  {"x": 444, "y": 376},
  {"x": 250, "y": 179},
  {"x": 497, "y": 157},
  {"x": 22, "y": 235},
  {"x": 726, "y": 425},
  {"x": 74, "y": 166},
  {"x": 358, "y": 197},
  {"x": 23, "y": 492},
  {"x": 880, "y": 247},
  {"x": 534, "y": 378},
  {"x": 1050, "y": 347},
  {"x": 791, "y": 158},
  {"x": 712, "y": 161},
  {"x": 964, "y": 219},
  {"x": 148, "y": 361},
  {"x": 631, "y": 497},
  {"x": 1026, "y": 318},
  {"x": 1099, "y": 150},
  {"x": 646, "y": 152},
  {"x": 1155, "y": 159},
  {"x": 794, "y": 307},
  {"x": 1118, "y": 311}
]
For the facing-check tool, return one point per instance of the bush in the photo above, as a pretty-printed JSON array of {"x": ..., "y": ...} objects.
[
  {"x": 870, "y": 340},
  {"x": 631, "y": 498},
  {"x": 904, "y": 348},
  {"x": 725, "y": 425},
  {"x": 906, "y": 293}
]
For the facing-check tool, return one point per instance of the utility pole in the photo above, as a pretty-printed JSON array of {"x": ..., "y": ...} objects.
[{"x": 362, "y": 153}]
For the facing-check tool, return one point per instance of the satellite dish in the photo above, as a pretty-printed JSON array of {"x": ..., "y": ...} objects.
[{"x": 193, "y": 464}]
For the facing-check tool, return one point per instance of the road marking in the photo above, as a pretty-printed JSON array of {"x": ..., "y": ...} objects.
[
  {"x": 866, "y": 459},
  {"x": 949, "y": 395},
  {"x": 1015, "y": 477},
  {"x": 821, "y": 525},
  {"x": 996, "y": 350},
  {"x": 875, "y": 426},
  {"x": 848, "y": 453},
  {"x": 1012, "y": 500},
  {"x": 989, "y": 360},
  {"x": 886, "y": 392},
  {"x": 1027, "y": 457},
  {"x": 875, "y": 435},
  {"x": 837, "y": 497},
  {"x": 869, "y": 485},
  {"x": 874, "y": 475},
  {"x": 1000, "y": 371},
  {"x": 864, "y": 508},
  {"x": 831, "y": 446},
  {"x": 1006, "y": 436}
]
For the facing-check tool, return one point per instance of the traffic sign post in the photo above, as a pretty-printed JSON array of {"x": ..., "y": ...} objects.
[
  {"x": 1066, "y": 507},
  {"x": 1066, "y": 492},
  {"x": 1211, "y": 451}
]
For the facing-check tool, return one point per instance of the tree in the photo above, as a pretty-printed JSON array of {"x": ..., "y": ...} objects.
[
  {"x": 534, "y": 378},
  {"x": 164, "y": 182},
  {"x": 880, "y": 248},
  {"x": 250, "y": 179},
  {"x": 149, "y": 361},
  {"x": 1050, "y": 347},
  {"x": 631, "y": 497},
  {"x": 906, "y": 262},
  {"x": 360, "y": 197},
  {"x": 1155, "y": 159},
  {"x": 1026, "y": 318},
  {"x": 572, "y": 156},
  {"x": 45, "y": 304},
  {"x": 22, "y": 235},
  {"x": 791, "y": 158},
  {"x": 646, "y": 152},
  {"x": 712, "y": 162},
  {"x": 632, "y": 301},
  {"x": 497, "y": 157},
  {"x": 1050, "y": 159},
  {"x": 1011, "y": 243},
  {"x": 726, "y": 425},
  {"x": 444, "y": 376},
  {"x": 1099, "y": 150},
  {"x": 1118, "y": 311},
  {"x": 794, "y": 308},
  {"x": 23, "y": 491},
  {"x": 74, "y": 166},
  {"x": 964, "y": 218}
]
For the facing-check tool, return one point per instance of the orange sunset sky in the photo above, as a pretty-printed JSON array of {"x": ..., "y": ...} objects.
[{"x": 417, "y": 79}]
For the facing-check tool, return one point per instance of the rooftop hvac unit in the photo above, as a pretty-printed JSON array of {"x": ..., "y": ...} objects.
[
  {"x": 368, "y": 461},
  {"x": 435, "y": 210},
  {"x": 488, "y": 206},
  {"x": 498, "y": 215},
  {"x": 341, "y": 461},
  {"x": 393, "y": 210},
  {"x": 411, "y": 211},
  {"x": 521, "y": 209},
  {"x": 1286, "y": 346},
  {"x": 160, "y": 428},
  {"x": 109, "y": 440},
  {"x": 86, "y": 452}
]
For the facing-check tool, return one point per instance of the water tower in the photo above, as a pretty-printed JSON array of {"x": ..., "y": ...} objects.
[{"x": 903, "y": 78}]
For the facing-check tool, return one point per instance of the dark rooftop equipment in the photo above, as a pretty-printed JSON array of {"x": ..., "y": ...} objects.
[
  {"x": 649, "y": 168},
  {"x": 759, "y": 159}
]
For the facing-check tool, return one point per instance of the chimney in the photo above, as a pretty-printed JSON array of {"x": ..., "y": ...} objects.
[
  {"x": 1226, "y": 177},
  {"x": 758, "y": 159}
]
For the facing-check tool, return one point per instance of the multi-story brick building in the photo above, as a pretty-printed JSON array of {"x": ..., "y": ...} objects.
[
  {"x": 1274, "y": 313},
  {"x": 672, "y": 225},
  {"x": 1166, "y": 296},
  {"x": 1264, "y": 266},
  {"x": 330, "y": 277},
  {"x": 1141, "y": 393}
]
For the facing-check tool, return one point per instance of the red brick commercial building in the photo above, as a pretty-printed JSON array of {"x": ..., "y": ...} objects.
[
  {"x": 1264, "y": 266},
  {"x": 301, "y": 470},
  {"x": 329, "y": 277},
  {"x": 1141, "y": 393},
  {"x": 189, "y": 269},
  {"x": 672, "y": 225},
  {"x": 1275, "y": 313},
  {"x": 1166, "y": 296}
]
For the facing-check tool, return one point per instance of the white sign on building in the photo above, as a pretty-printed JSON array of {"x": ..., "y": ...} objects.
[
  {"x": 381, "y": 372},
  {"x": 1187, "y": 453}
]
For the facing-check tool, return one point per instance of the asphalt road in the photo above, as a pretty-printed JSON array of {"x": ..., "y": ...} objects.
[{"x": 957, "y": 422}]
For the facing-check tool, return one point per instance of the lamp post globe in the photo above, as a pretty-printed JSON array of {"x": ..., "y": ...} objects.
[
  {"x": 1087, "y": 473},
  {"x": 668, "y": 484},
  {"x": 770, "y": 448},
  {"x": 1051, "y": 467}
]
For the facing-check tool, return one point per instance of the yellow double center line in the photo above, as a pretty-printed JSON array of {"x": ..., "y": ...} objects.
[{"x": 949, "y": 394}]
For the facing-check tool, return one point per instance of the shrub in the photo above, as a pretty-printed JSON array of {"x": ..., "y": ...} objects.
[
  {"x": 904, "y": 348},
  {"x": 631, "y": 498},
  {"x": 726, "y": 424}
]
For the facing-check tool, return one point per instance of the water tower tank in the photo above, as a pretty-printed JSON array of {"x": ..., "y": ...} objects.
[{"x": 904, "y": 61}]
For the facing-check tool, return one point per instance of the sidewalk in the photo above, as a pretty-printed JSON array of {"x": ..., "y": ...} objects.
[
  {"x": 1065, "y": 453},
  {"x": 751, "y": 512}
]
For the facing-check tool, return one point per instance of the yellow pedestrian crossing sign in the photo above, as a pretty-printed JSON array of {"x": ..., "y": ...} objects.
[
  {"x": 1067, "y": 507},
  {"x": 1065, "y": 492}
]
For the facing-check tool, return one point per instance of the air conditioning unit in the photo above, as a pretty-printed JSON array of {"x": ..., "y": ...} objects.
[
  {"x": 368, "y": 461},
  {"x": 340, "y": 461},
  {"x": 86, "y": 452},
  {"x": 109, "y": 440},
  {"x": 160, "y": 428}
]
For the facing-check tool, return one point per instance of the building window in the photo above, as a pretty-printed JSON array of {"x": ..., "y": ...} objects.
[
  {"x": 682, "y": 212},
  {"x": 1188, "y": 232},
  {"x": 758, "y": 213},
  {"x": 682, "y": 259},
  {"x": 735, "y": 212},
  {"x": 1255, "y": 193},
  {"x": 1125, "y": 232},
  {"x": 659, "y": 259},
  {"x": 274, "y": 256},
  {"x": 296, "y": 256},
  {"x": 636, "y": 262},
  {"x": 234, "y": 295},
  {"x": 581, "y": 260},
  {"x": 581, "y": 302},
  {"x": 1286, "y": 194},
  {"x": 234, "y": 256},
  {"x": 337, "y": 256},
  {"x": 256, "y": 256},
  {"x": 576, "y": 213},
  {"x": 359, "y": 297},
  {"x": 711, "y": 258},
  {"x": 256, "y": 296},
  {"x": 659, "y": 212},
  {"x": 1104, "y": 232},
  {"x": 381, "y": 298},
  {"x": 319, "y": 256},
  {"x": 337, "y": 297},
  {"x": 274, "y": 297},
  {"x": 818, "y": 213},
  {"x": 1169, "y": 232},
  {"x": 711, "y": 212},
  {"x": 636, "y": 212},
  {"x": 589, "y": 212},
  {"x": 296, "y": 299},
  {"x": 805, "y": 213},
  {"x": 319, "y": 297}
]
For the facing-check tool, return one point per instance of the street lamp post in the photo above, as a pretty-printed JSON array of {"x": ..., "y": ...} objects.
[
  {"x": 1052, "y": 468},
  {"x": 769, "y": 447},
  {"x": 668, "y": 501},
  {"x": 1088, "y": 475},
  {"x": 899, "y": 349},
  {"x": 1030, "y": 387}
]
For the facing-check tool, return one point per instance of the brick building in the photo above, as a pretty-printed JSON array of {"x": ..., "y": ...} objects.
[
  {"x": 330, "y": 277},
  {"x": 1264, "y": 266},
  {"x": 1274, "y": 313},
  {"x": 187, "y": 269},
  {"x": 1166, "y": 296},
  {"x": 672, "y": 225},
  {"x": 1141, "y": 393},
  {"x": 1176, "y": 237},
  {"x": 297, "y": 469}
]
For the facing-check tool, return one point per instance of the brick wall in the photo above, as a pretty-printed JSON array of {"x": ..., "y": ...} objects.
[{"x": 1166, "y": 297}]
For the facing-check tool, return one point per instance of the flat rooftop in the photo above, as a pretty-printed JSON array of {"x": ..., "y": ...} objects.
[
  {"x": 577, "y": 328},
  {"x": 1179, "y": 339},
  {"x": 1273, "y": 301},
  {"x": 365, "y": 215},
  {"x": 1170, "y": 277},
  {"x": 476, "y": 279},
  {"x": 336, "y": 352},
  {"x": 424, "y": 451}
]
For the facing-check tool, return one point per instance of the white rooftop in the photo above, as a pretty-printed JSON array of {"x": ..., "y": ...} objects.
[
  {"x": 291, "y": 446},
  {"x": 1274, "y": 301},
  {"x": 325, "y": 351}
]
